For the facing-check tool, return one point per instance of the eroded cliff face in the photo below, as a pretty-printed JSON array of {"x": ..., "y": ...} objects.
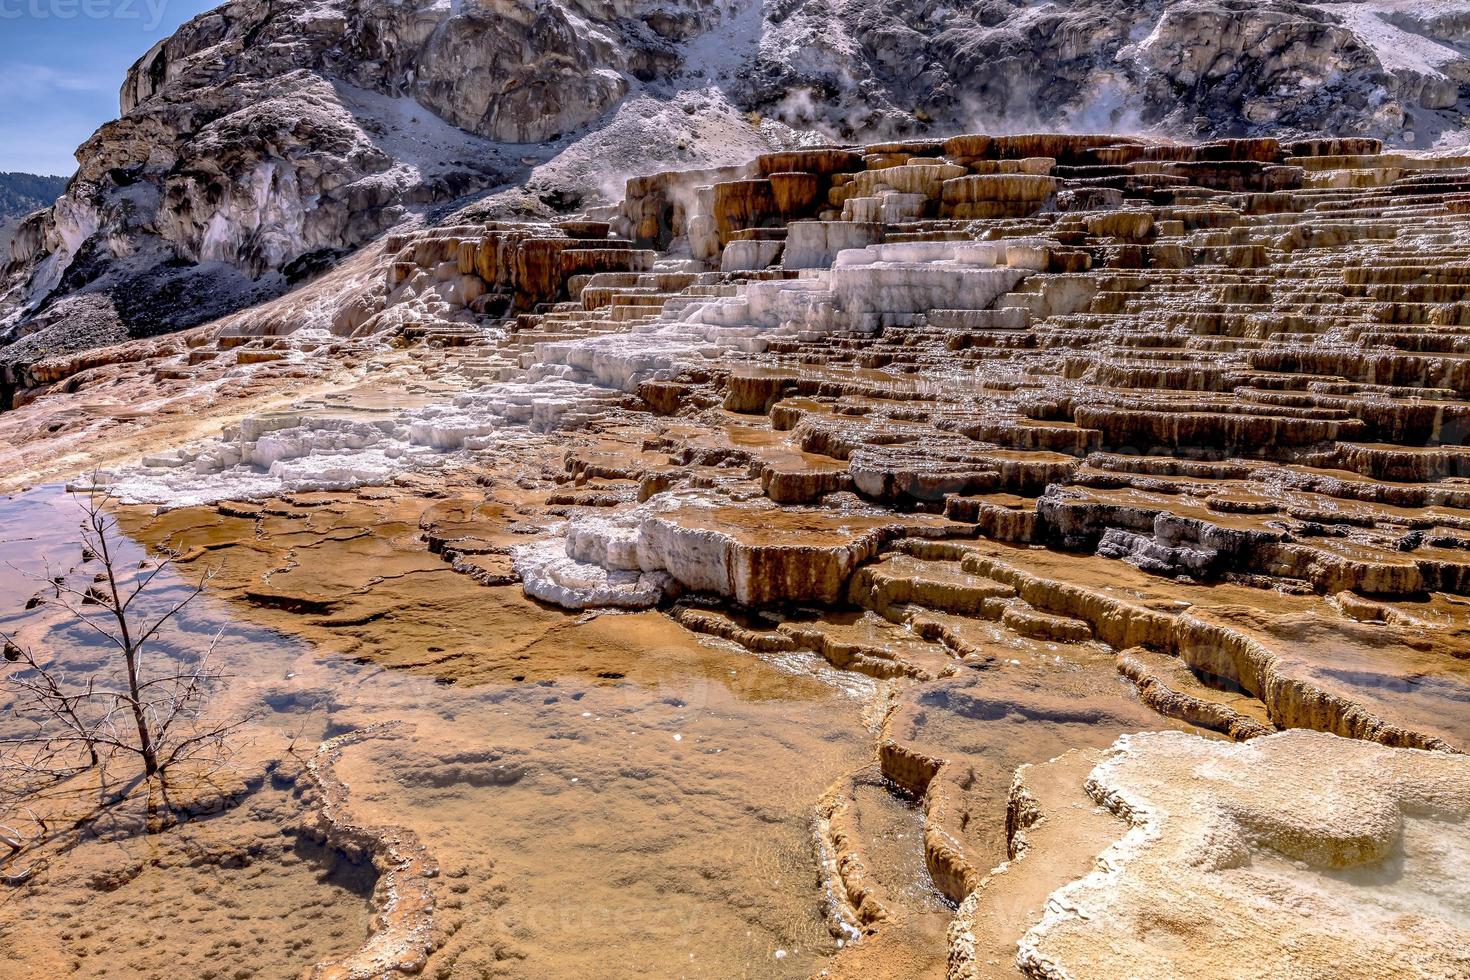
[{"x": 261, "y": 141}]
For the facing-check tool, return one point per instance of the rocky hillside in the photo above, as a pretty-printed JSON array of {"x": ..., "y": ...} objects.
[
  {"x": 20, "y": 194},
  {"x": 264, "y": 139}
]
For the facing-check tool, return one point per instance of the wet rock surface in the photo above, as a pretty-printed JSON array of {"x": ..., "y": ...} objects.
[
  {"x": 499, "y": 801},
  {"x": 1122, "y": 478}
]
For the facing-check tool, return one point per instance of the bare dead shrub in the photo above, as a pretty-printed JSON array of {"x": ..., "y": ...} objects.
[{"x": 133, "y": 717}]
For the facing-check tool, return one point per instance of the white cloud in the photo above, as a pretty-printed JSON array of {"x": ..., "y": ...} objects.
[{"x": 34, "y": 82}]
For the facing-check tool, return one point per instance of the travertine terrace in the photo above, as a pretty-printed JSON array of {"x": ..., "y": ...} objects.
[{"x": 1116, "y": 462}]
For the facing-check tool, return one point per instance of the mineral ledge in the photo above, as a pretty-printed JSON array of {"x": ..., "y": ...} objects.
[{"x": 1136, "y": 470}]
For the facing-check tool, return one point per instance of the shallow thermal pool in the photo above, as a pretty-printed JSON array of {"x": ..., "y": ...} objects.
[{"x": 634, "y": 823}]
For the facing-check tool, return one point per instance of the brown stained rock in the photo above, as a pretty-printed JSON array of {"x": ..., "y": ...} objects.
[
  {"x": 1192, "y": 457},
  {"x": 869, "y": 645},
  {"x": 899, "y": 580},
  {"x": 741, "y": 204},
  {"x": 995, "y": 196},
  {"x": 403, "y": 922},
  {"x": 819, "y": 163},
  {"x": 1353, "y": 684},
  {"x": 658, "y": 208},
  {"x": 1177, "y": 693},
  {"x": 1355, "y": 680},
  {"x": 794, "y": 193}
]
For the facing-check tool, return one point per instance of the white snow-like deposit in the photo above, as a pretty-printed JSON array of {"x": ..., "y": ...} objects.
[
  {"x": 1386, "y": 25},
  {"x": 419, "y": 141},
  {"x": 569, "y": 383},
  {"x": 865, "y": 289},
  {"x": 630, "y": 559},
  {"x": 548, "y": 573},
  {"x": 289, "y": 452}
]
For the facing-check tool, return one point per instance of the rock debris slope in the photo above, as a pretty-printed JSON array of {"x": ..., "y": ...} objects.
[
  {"x": 264, "y": 139},
  {"x": 1060, "y": 438}
]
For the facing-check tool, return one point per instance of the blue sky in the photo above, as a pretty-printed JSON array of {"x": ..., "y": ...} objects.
[{"x": 61, "y": 65}]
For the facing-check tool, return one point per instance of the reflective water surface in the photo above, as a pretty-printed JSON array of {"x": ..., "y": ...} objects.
[{"x": 589, "y": 819}]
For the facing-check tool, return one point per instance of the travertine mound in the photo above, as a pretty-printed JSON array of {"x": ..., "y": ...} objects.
[
  {"x": 1295, "y": 855},
  {"x": 263, "y": 140},
  {"x": 1030, "y": 441},
  {"x": 1192, "y": 382}
]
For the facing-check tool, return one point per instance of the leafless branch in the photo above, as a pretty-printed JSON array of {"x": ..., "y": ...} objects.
[{"x": 62, "y": 725}]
